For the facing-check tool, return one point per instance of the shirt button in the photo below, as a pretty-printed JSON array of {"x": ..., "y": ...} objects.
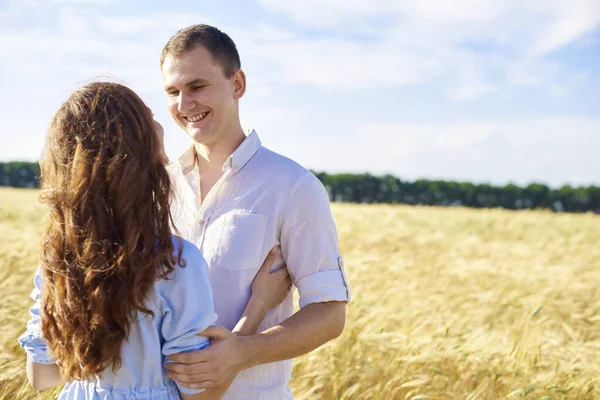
[
  {"x": 200, "y": 221},
  {"x": 236, "y": 167}
]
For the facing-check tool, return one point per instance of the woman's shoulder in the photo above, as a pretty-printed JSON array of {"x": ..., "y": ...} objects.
[
  {"x": 188, "y": 280},
  {"x": 192, "y": 270},
  {"x": 188, "y": 250}
]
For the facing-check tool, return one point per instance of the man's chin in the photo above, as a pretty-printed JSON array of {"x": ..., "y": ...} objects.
[{"x": 199, "y": 136}]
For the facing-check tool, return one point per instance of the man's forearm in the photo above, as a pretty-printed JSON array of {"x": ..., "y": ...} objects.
[
  {"x": 309, "y": 328},
  {"x": 230, "y": 353}
]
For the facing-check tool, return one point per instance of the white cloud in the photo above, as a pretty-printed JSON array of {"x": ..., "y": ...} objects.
[
  {"x": 328, "y": 13},
  {"x": 51, "y": 3},
  {"x": 150, "y": 25},
  {"x": 409, "y": 42},
  {"x": 123, "y": 26},
  {"x": 346, "y": 65},
  {"x": 569, "y": 21},
  {"x": 543, "y": 25},
  {"x": 470, "y": 85},
  {"x": 419, "y": 41},
  {"x": 471, "y": 90}
]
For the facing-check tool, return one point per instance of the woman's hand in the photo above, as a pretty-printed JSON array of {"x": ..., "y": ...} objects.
[{"x": 269, "y": 289}]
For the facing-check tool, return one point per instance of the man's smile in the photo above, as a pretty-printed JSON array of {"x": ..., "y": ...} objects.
[{"x": 197, "y": 117}]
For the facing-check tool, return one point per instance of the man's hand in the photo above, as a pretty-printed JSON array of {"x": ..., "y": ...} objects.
[{"x": 212, "y": 366}]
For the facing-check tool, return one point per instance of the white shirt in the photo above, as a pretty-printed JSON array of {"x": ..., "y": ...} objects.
[{"x": 262, "y": 200}]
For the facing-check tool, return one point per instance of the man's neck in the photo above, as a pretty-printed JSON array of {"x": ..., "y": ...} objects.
[{"x": 212, "y": 156}]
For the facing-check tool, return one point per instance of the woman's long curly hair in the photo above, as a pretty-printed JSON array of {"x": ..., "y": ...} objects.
[{"x": 108, "y": 238}]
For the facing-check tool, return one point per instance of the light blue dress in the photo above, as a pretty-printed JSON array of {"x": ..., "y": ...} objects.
[{"x": 182, "y": 306}]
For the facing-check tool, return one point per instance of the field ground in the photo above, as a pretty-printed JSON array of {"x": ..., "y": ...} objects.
[{"x": 448, "y": 303}]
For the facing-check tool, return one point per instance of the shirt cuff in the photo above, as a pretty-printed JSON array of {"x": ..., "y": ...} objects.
[
  {"x": 323, "y": 286},
  {"x": 185, "y": 390}
]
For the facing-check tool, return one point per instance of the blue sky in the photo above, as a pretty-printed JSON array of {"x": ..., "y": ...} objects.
[{"x": 487, "y": 91}]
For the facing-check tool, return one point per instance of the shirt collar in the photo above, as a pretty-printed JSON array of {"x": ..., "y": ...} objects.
[
  {"x": 235, "y": 161},
  {"x": 188, "y": 160}
]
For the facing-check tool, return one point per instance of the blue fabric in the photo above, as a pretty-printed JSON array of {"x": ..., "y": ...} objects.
[{"x": 183, "y": 307}]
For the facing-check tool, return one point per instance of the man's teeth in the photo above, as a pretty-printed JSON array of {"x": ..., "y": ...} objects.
[{"x": 198, "y": 117}]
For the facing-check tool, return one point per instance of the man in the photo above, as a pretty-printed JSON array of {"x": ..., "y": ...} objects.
[{"x": 237, "y": 200}]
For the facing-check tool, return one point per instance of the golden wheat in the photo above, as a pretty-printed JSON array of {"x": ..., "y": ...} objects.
[{"x": 448, "y": 303}]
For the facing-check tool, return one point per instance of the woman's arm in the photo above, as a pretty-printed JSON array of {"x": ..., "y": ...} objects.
[
  {"x": 42, "y": 371},
  {"x": 43, "y": 376},
  {"x": 269, "y": 289}
]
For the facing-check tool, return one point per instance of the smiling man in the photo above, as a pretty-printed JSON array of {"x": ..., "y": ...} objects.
[{"x": 236, "y": 200}]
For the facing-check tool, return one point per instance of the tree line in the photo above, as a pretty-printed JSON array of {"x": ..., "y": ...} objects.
[
  {"x": 366, "y": 188},
  {"x": 20, "y": 174}
]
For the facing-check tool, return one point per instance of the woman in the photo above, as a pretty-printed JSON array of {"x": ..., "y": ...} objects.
[{"x": 116, "y": 292}]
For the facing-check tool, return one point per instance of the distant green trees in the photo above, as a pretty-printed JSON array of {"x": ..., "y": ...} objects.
[
  {"x": 20, "y": 174},
  {"x": 366, "y": 188}
]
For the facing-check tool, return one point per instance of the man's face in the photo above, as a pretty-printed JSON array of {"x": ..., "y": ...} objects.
[{"x": 199, "y": 97}]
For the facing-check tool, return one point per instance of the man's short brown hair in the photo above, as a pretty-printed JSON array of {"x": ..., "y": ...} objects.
[{"x": 218, "y": 44}]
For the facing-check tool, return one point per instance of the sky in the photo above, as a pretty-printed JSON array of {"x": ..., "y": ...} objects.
[{"x": 490, "y": 91}]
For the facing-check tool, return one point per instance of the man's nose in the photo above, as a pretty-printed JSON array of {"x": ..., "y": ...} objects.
[{"x": 185, "y": 103}]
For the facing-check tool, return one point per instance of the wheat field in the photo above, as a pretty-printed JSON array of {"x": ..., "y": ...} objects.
[{"x": 448, "y": 303}]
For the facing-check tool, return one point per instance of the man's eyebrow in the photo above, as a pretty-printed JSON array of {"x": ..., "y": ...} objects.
[{"x": 198, "y": 81}]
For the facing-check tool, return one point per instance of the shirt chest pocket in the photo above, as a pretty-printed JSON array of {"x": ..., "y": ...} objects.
[{"x": 234, "y": 241}]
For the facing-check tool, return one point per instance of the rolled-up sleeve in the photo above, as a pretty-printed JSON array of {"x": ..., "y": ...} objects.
[
  {"x": 32, "y": 341},
  {"x": 188, "y": 308},
  {"x": 309, "y": 244}
]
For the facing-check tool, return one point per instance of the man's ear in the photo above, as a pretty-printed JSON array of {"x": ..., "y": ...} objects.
[{"x": 239, "y": 84}]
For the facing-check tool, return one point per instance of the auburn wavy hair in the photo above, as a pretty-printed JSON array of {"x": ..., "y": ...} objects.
[{"x": 108, "y": 237}]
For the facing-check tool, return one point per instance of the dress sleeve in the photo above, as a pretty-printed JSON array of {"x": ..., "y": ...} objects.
[
  {"x": 32, "y": 341},
  {"x": 187, "y": 306}
]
